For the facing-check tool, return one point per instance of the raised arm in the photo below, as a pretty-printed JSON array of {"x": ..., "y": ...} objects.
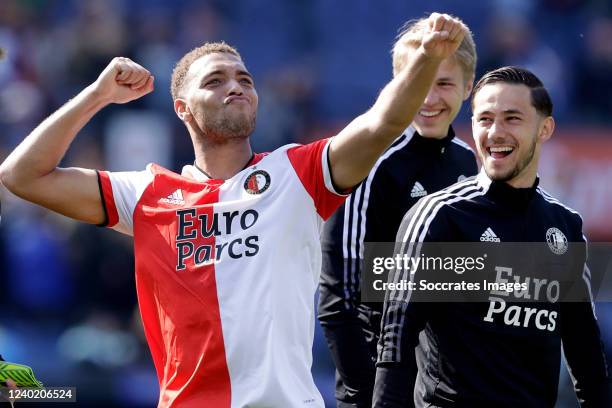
[
  {"x": 31, "y": 171},
  {"x": 356, "y": 148}
]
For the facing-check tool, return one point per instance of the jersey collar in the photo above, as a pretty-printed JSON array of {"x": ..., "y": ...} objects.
[
  {"x": 504, "y": 194},
  {"x": 193, "y": 172},
  {"x": 431, "y": 144}
]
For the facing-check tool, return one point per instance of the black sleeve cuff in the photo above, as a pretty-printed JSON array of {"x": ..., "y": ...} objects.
[{"x": 105, "y": 222}]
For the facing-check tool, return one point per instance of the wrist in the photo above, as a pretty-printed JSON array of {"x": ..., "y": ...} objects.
[
  {"x": 95, "y": 96},
  {"x": 422, "y": 52}
]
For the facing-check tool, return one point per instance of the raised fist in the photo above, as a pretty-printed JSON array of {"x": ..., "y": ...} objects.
[
  {"x": 122, "y": 81},
  {"x": 442, "y": 36}
]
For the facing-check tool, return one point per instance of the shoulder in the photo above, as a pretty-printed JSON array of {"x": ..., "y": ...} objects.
[
  {"x": 127, "y": 179},
  {"x": 560, "y": 208},
  {"x": 397, "y": 152},
  {"x": 159, "y": 173},
  {"x": 394, "y": 154},
  {"x": 468, "y": 189},
  {"x": 431, "y": 212},
  {"x": 463, "y": 155},
  {"x": 283, "y": 150},
  {"x": 395, "y": 166},
  {"x": 461, "y": 146},
  {"x": 303, "y": 156},
  {"x": 156, "y": 169},
  {"x": 161, "y": 179}
]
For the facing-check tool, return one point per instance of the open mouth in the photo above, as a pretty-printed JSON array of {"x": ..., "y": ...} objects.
[
  {"x": 430, "y": 113},
  {"x": 500, "y": 152}
]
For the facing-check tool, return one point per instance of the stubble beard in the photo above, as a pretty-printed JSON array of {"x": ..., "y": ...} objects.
[
  {"x": 223, "y": 130},
  {"x": 520, "y": 166}
]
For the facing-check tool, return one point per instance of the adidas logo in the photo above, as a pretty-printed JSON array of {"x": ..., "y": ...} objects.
[
  {"x": 489, "y": 236},
  {"x": 418, "y": 190},
  {"x": 175, "y": 198}
]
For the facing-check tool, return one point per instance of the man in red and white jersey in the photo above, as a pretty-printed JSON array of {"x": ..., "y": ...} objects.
[{"x": 227, "y": 253}]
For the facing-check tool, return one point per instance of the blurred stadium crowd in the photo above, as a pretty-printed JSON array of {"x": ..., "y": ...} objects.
[{"x": 67, "y": 296}]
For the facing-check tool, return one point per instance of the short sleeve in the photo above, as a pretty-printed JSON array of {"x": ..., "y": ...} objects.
[
  {"x": 311, "y": 163},
  {"x": 120, "y": 192}
]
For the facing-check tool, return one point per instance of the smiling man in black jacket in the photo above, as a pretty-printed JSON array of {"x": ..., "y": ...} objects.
[{"x": 492, "y": 354}]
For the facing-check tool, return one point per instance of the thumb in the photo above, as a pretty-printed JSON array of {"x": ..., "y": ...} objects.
[
  {"x": 437, "y": 36},
  {"x": 431, "y": 40},
  {"x": 150, "y": 85}
]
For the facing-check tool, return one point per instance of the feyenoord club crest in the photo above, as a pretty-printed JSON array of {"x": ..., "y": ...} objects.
[
  {"x": 257, "y": 182},
  {"x": 557, "y": 242}
]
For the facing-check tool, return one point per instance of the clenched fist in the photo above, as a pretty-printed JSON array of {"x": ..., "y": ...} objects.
[
  {"x": 122, "y": 81},
  {"x": 442, "y": 36}
]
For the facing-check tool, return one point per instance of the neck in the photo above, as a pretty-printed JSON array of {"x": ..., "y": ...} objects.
[
  {"x": 527, "y": 177},
  {"x": 223, "y": 161},
  {"x": 427, "y": 135},
  {"x": 437, "y": 137},
  {"x": 523, "y": 181}
]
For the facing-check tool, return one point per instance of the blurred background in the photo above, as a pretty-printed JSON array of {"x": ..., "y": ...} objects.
[{"x": 67, "y": 296}]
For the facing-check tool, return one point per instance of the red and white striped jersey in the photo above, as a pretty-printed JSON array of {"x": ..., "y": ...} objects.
[{"x": 226, "y": 272}]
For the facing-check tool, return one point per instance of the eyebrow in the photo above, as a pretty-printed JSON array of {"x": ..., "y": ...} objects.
[
  {"x": 245, "y": 73},
  {"x": 240, "y": 72},
  {"x": 506, "y": 112}
]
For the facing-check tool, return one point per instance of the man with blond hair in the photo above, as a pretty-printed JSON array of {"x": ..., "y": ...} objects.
[
  {"x": 227, "y": 253},
  {"x": 424, "y": 158}
]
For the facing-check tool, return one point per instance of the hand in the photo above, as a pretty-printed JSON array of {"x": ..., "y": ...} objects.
[
  {"x": 443, "y": 36},
  {"x": 122, "y": 81},
  {"x": 10, "y": 384}
]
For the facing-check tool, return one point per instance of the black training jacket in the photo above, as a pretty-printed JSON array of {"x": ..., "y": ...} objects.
[{"x": 487, "y": 354}]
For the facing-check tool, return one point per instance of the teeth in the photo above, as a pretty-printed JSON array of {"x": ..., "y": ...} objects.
[
  {"x": 501, "y": 149},
  {"x": 429, "y": 114}
]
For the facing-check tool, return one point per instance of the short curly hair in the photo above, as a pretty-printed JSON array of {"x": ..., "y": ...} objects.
[{"x": 182, "y": 66}]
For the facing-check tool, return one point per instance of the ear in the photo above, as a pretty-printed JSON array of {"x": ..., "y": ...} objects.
[
  {"x": 182, "y": 110},
  {"x": 474, "y": 133},
  {"x": 468, "y": 88},
  {"x": 547, "y": 128}
]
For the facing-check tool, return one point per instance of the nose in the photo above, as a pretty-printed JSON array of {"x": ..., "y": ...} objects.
[
  {"x": 496, "y": 130},
  {"x": 235, "y": 88},
  {"x": 431, "y": 98}
]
